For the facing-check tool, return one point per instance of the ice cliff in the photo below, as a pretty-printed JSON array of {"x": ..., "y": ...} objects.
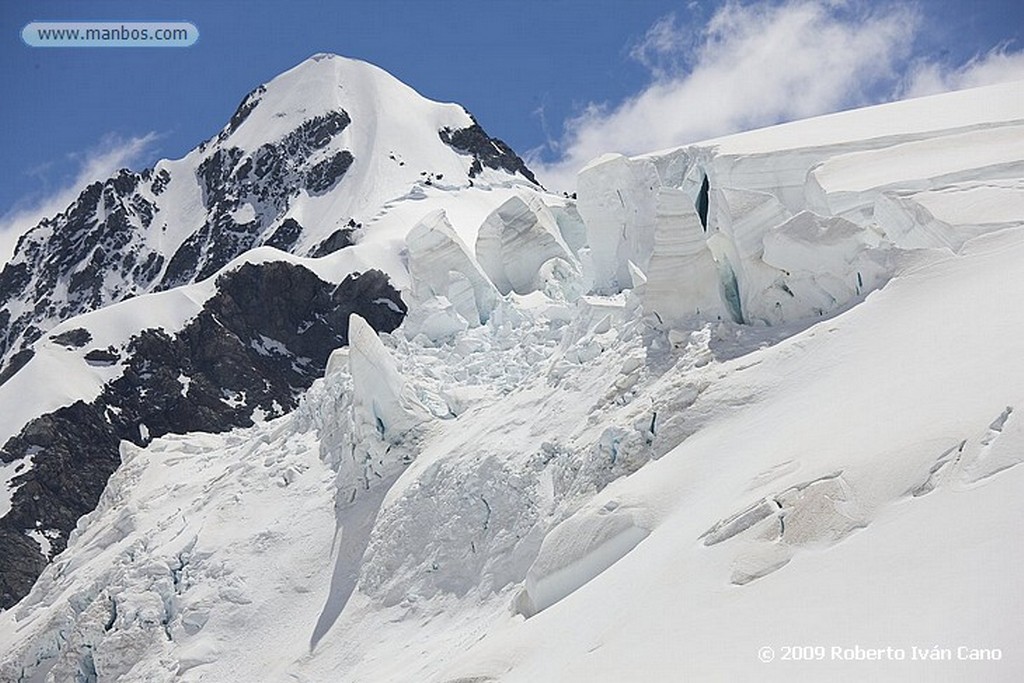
[{"x": 801, "y": 221}]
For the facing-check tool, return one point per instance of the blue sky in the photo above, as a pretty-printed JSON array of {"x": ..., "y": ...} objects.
[{"x": 560, "y": 80}]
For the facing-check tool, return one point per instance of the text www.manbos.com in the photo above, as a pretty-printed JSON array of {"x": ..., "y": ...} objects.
[{"x": 110, "y": 34}]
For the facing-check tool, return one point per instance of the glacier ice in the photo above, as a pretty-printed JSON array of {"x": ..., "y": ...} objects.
[
  {"x": 575, "y": 552},
  {"x": 680, "y": 253},
  {"x": 379, "y": 392},
  {"x": 441, "y": 265},
  {"x": 772, "y": 238},
  {"x": 516, "y": 240},
  {"x": 617, "y": 208}
]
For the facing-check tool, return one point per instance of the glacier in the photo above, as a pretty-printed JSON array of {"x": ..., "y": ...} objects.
[
  {"x": 756, "y": 391},
  {"x": 772, "y": 237}
]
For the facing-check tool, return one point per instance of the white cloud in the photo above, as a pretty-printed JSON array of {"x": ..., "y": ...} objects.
[
  {"x": 99, "y": 163},
  {"x": 666, "y": 47},
  {"x": 999, "y": 65},
  {"x": 757, "y": 64}
]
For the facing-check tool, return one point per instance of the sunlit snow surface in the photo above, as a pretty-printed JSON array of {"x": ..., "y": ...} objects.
[{"x": 572, "y": 488}]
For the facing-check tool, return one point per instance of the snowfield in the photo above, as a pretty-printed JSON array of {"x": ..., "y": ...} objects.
[{"x": 751, "y": 410}]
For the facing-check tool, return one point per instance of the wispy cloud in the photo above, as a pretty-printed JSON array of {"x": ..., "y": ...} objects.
[
  {"x": 667, "y": 46},
  {"x": 756, "y": 64},
  {"x": 98, "y": 163},
  {"x": 998, "y": 65}
]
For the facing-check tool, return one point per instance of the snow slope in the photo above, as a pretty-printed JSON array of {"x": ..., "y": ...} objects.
[
  {"x": 862, "y": 484},
  {"x": 28, "y": 394},
  {"x": 653, "y": 481}
]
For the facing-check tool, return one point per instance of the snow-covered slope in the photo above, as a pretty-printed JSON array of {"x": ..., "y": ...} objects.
[
  {"x": 670, "y": 477},
  {"x": 855, "y": 488}
]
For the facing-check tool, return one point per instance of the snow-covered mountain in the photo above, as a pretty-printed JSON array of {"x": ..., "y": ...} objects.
[
  {"x": 305, "y": 163},
  {"x": 197, "y": 294},
  {"x": 750, "y": 410}
]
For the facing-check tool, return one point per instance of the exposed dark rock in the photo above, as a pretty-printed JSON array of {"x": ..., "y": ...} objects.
[
  {"x": 99, "y": 247},
  {"x": 258, "y": 343},
  {"x": 16, "y": 363},
  {"x": 325, "y": 175},
  {"x": 73, "y": 339},
  {"x": 75, "y": 450},
  {"x": 319, "y": 130},
  {"x": 286, "y": 235},
  {"x": 486, "y": 151},
  {"x": 186, "y": 260},
  {"x": 339, "y": 239},
  {"x": 15, "y": 278},
  {"x": 160, "y": 181},
  {"x": 20, "y": 564},
  {"x": 95, "y": 236},
  {"x": 245, "y": 108},
  {"x": 148, "y": 269},
  {"x": 267, "y": 180},
  {"x": 121, "y": 185},
  {"x": 102, "y": 357}
]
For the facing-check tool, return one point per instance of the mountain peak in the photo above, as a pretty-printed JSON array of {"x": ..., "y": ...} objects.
[
  {"x": 326, "y": 83},
  {"x": 304, "y": 160}
]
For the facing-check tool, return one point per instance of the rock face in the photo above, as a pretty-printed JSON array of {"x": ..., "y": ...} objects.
[
  {"x": 96, "y": 236},
  {"x": 102, "y": 246},
  {"x": 257, "y": 344},
  {"x": 533, "y": 452},
  {"x": 485, "y": 150},
  {"x": 246, "y": 192},
  {"x": 306, "y": 161}
]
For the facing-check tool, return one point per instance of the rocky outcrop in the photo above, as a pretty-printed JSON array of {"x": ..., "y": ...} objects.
[
  {"x": 95, "y": 236},
  {"x": 254, "y": 348},
  {"x": 99, "y": 245},
  {"x": 297, "y": 169},
  {"x": 486, "y": 151},
  {"x": 245, "y": 193},
  {"x": 292, "y": 167}
]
